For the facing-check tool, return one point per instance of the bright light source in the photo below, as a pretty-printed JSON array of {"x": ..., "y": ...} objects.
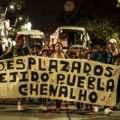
[
  {"x": 20, "y": 18},
  {"x": 13, "y": 43},
  {"x": 28, "y": 26},
  {"x": 12, "y": 7}
]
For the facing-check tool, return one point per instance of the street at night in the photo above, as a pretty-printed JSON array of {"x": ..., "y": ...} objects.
[{"x": 59, "y": 59}]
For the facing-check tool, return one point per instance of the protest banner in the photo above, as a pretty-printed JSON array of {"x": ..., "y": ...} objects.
[{"x": 78, "y": 80}]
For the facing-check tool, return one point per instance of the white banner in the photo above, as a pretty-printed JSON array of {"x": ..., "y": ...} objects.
[{"x": 77, "y": 80}]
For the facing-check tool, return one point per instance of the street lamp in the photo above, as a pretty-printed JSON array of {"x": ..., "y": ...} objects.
[
  {"x": 12, "y": 7},
  {"x": 20, "y": 18}
]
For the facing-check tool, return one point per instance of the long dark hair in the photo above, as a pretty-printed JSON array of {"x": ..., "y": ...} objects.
[{"x": 60, "y": 44}]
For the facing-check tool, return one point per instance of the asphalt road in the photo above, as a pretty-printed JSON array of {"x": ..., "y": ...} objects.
[{"x": 8, "y": 111}]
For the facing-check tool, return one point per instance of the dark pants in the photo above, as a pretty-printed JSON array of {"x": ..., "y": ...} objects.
[
  {"x": 58, "y": 103},
  {"x": 43, "y": 101},
  {"x": 21, "y": 101}
]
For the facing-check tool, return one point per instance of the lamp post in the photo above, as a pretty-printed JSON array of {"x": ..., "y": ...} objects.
[
  {"x": 20, "y": 18},
  {"x": 11, "y": 7}
]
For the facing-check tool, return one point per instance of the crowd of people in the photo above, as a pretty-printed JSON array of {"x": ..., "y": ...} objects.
[{"x": 99, "y": 50}]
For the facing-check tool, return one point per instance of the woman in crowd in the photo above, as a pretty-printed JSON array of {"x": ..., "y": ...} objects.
[{"x": 58, "y": 54}]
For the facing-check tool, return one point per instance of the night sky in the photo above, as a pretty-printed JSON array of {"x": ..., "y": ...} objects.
[{"x": 44, "y": 14}]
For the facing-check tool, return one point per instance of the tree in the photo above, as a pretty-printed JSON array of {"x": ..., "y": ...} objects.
[
  {"x": 118, "y": 5},
  {"x": 18, "y": 3},
  {"x": 97, "y": 16}
]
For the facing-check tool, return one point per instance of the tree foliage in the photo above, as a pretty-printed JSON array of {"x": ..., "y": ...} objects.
[
  {"x": 118, "y": 5},
  {"x": 18, "y": 3},
  {"x": 100, "y": 17}
]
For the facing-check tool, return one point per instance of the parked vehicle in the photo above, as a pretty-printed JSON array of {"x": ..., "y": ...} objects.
[
  {"x": 33, "y": 36},
  {"x": 71, "y": 35}
]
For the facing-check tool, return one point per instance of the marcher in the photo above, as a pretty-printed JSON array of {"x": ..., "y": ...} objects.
[
  {"x": 58, "y": 54},
  {"x": 80, "y": 53},
  {"x": 52, "y": 48},
  {"x": 113, "y": 48},
  {"x": 104, "y": 56},
  {"x": 18, "y": 50},
  {"x": 32, "y": 50},
  {"x": 43, "y": 101},
  {"x": 36, "y": 50},
  {"x": 72, "y": 53}
]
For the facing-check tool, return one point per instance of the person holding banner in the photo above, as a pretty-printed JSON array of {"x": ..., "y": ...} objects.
[
  {"x": 58, "y": 54},
  {"x": 113, "y": 48},
  {"x": 45, "y": 53},
  {"x": 18, "y": 50},
  {"x": 104, "y": 56},
  {"x": 44, "y": 101}
]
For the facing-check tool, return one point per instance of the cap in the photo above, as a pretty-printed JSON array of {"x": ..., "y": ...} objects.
[
  {"x": 19, "y": 36},
  {"x": 113, "y": 41}
]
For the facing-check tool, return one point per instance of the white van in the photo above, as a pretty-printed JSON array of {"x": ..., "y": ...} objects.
[
  {"x": 71, "y": 35},
  {"x": 33, "y": 36}
]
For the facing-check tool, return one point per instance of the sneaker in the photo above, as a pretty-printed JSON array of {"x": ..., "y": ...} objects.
[
  {"x": 44, "y": 109},
  {"x": 107, "y": 111},
  {"x": 40, "y": 107},
  {"x": 20, "y": 108},
  {"x": 96, "y": 109}
]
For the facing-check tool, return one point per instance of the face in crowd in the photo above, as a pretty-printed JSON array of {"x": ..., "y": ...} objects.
[
  {"x": 80, "y": 52},
  {"x": 20, "y": 40},
  {"x": 45, "y": 47},
  {"x": 51, "y": 47},
  {"x": 32, "y": 50},
  {"x": 103, "y": 48},
  {"x": 112, "y": 46},
  {"x": 45, "y": 53},
  {"x": 58, "y": 47},
  {"x": 36, "y": 50}
]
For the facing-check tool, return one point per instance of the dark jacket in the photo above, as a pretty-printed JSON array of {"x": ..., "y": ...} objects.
[
  {"x": 105, "y": 57},
  {"x": 15, "y": 52}
]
